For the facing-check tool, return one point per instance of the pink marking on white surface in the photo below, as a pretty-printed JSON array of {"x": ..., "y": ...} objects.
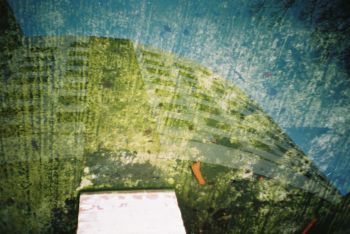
[{"x": 130, "y": 212}]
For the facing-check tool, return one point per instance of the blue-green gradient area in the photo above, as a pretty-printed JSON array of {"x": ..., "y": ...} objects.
[{"x": 292, "y": 57}]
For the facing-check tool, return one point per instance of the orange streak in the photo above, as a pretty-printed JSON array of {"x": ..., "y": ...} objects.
[
  {"x": 309, "y": 226},
  {"x": 196, "y": 168}
]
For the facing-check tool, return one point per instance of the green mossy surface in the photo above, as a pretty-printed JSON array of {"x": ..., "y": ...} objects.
[{"x": 70, "y": 126}]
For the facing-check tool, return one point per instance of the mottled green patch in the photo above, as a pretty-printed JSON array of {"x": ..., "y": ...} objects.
[{"x": 97, "y": 123}]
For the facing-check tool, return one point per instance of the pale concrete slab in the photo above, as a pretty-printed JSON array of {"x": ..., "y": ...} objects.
[{"x": 130, "y": 212}]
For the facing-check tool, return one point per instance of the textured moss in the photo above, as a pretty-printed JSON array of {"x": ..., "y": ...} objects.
[{"x": 108, "y": 121}]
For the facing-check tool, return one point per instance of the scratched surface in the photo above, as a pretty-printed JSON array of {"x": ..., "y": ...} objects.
[
  {"x": 292, "y": 57},
  {"x": 257, "y": 91}
]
